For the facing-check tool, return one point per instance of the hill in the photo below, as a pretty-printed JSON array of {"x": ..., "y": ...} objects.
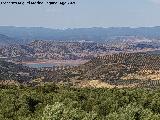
[
  {"x": 119, "y": 64},
  {"x": 52, "y": 50},
  {"x": 17, "y": 72},
  {"x": 122, "y": 69}
]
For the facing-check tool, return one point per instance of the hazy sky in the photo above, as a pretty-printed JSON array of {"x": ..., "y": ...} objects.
[{"x": 86, "y": 13}]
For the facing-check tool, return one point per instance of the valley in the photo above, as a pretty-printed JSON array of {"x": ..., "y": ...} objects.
[{"x": 79, "y": 74}]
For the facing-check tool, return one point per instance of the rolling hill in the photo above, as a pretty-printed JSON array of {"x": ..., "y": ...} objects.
[
  {"x": 17, "y": 72},
  {"x": 124, "y": 69},
  {"x": 118, "y": 69}
]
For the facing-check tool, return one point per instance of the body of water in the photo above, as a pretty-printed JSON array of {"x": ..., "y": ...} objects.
[
  {"x": 41, "y": 65},
  {"x": 53, "y": 63}
]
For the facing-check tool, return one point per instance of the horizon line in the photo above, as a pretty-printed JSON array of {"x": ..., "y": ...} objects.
[{"x": 79, "y": 27}]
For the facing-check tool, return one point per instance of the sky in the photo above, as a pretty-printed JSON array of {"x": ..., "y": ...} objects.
[{"x": 83, "y": 14}]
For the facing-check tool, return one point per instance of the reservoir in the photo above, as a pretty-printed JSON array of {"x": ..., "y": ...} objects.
[{"x": 54, "y": 63}]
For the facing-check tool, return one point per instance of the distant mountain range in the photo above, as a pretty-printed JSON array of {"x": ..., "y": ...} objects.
[
  {"x": 5, "y": 40},
  {"x": 27, "y": 34}
]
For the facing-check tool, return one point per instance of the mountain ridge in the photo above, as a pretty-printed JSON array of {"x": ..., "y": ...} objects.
[
  {"x": 98, "y": 34},
  {"x": 6, "y": 40}
]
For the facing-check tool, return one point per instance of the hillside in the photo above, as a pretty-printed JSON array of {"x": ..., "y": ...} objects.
[
  {"x": 119, "y": 69},
  {"x": 13, "y": 72},
  {"x": 51, "y": 50},
  {"x": 121, "y": 63},
  {"x": 65, "y": 103},
  {"x": 124, "y": 69},
  {"x": 17, "y": 72}
]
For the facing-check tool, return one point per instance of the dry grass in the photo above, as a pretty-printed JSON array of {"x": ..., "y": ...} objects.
[
  {"x": 143, "y": 75},
  {"x": 9, "y": 82},
  {"x": 99, "y": 84}
]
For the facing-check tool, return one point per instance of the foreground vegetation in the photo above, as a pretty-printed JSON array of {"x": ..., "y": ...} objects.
[{"x": 52, "y": 102}]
